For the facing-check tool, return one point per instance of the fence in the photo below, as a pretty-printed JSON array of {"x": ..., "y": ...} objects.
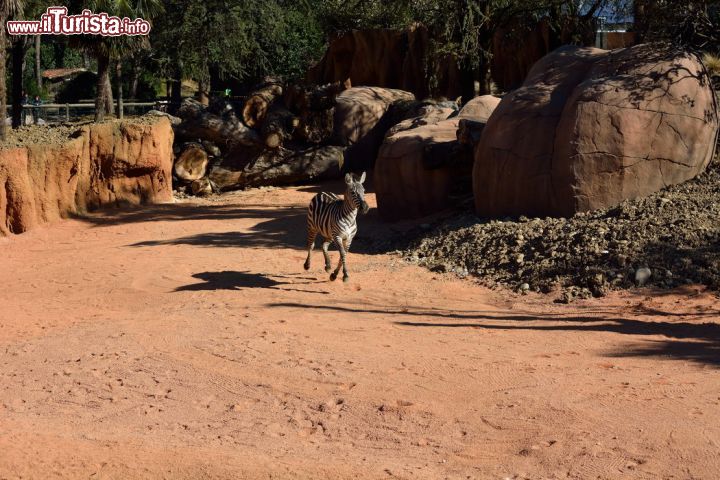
[{"x": 61, "y": 112}]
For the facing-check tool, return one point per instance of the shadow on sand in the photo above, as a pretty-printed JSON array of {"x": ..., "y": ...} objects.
[
  {"x": 230, "y": 280},
  {"x": 697, "y": 342}
]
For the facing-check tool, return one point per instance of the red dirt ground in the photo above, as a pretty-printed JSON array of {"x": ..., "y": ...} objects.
[{"x": 186, "y": 341}]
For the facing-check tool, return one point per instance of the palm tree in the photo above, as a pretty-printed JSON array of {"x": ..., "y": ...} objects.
[
  {"x": 106, "y": 49},
  {"x": 7, "y": 8}
]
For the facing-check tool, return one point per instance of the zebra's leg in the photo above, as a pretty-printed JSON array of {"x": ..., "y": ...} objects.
[
  {"x": 311, "y": 234},
  {"x": 325, "y": 245},
  {"x": 341, "y": 246}
]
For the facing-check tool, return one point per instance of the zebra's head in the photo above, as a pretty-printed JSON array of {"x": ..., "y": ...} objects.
[{"x": 356, "y": 192}]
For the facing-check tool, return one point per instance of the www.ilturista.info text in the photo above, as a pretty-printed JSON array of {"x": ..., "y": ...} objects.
[{"x": 56, "y": 21}]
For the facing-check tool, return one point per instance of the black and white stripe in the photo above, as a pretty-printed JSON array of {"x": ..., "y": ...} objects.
[{"x": 336, "y": 220}]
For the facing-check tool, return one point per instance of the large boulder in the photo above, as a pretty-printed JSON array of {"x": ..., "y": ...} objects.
[
  {"x": 590, "y": 128},
  {"x": 359, "y": 109},
  {"x": 360, "y": 156},
  {"x": 107, "y": 164},
  {"x": 421, "y": 167}
]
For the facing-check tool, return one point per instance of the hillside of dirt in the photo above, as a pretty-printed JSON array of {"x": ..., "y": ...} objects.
[{"x": 665, "y": 240}]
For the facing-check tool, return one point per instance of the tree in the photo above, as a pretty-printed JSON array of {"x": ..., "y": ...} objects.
[
  {"x": 266, "y": 38},
  {"x": 696, "y": 25},
  {"x": 106, "y": 49},
  {"x": 7, "y": 8},
  {"x": 20, "y": 45}
]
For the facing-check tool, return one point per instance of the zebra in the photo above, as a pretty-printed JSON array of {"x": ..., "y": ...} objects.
[{"x": 335, "y": 219}]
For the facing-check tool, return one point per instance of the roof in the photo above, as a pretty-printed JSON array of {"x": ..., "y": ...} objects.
[{"x": 61, "y": 72}]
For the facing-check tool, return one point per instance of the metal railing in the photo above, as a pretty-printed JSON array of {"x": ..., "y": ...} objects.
[{"x": 61, "y": 112}]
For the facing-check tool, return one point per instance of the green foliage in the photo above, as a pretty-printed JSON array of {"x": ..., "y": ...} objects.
[
  {"x": 339, "y": 16},
  {"x": 237, "y": 40}
]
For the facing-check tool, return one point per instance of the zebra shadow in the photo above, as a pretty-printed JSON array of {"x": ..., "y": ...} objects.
[{"x": 232, "y": 280}]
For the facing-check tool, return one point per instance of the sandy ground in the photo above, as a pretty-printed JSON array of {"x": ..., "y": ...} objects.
[{"x": 186, "y": 341}]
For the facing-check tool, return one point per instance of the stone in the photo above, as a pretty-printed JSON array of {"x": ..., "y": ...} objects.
[
  {"x": 590, "y": 128},
  {"x": 419, "y": 170},
  {"x": 642, "y": 275}
]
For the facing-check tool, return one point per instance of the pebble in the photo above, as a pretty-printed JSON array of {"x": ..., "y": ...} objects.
[{"x": 642, "y": 275}]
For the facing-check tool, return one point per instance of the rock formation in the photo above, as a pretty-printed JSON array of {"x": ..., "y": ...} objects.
[
  {"x": 421, "y": 165},
  {"x": 107, "y": 164},
  {"x": 590, "y": 128}
]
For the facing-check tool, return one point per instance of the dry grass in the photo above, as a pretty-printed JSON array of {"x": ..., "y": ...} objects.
[{"x": 712, "y": 63}]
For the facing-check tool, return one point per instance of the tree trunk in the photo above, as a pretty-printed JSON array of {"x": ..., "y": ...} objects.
[
  {"x": 258, "y": 104},
  {"x": 192, "y": 163},
  {"x": 109, "y": 103},
  {"x": 38, "y": 66},
  {"x": 467, "y": 83},
  {"x": 299, "y": 98},
  {"x": 175, "y": 95},
  {"x": 278, "y": 126},
  {"x": 198, "y": 123},
  {"x": 59, "y": 54},
  {"x": 118, "y": 74},
  {"x": 281, "y": 167},
  {"x": 101, "y": 93},
  {"x": 18, "y": 65},
  {"x": 135, "y": 79},
  {"x": 204, "y": 92},
  {"x": 3, "y": 88},
  {"x": 641, "y": 16}
]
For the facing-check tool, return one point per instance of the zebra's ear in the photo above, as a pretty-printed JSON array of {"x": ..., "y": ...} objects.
[
  {"x": 348, "y": 178},
  {"x": 362, "y": 178}
]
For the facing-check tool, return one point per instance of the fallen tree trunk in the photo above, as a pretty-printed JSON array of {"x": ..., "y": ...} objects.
[
  {"x": 226, "y": 179},
  {"x": 190, "y": 108},
  {"x": 299, "y": 98},
  {"x": 315, "y": 126},
  {"x": 278, "y": 126},
  {"x": 258, "y": 104},
  {"x": 226, "y": 131},
  {"x": 201, "y": 187},
  {"x": 289, "y": 167},
  {"x": 192, "y": 163},
  {"x": 282, "y": 167}
]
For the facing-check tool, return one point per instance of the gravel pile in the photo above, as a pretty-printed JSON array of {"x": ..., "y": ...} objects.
[{"x": 664, "y": 240}]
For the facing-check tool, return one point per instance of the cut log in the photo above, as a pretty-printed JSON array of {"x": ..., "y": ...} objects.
[
  {"x": 315, "y": 126},
  {"x": 211, "y": 148},
  {"x": 190, "y": 108},
  {"x": 284, "y": 167},
  {"x": 201, "y": 187},
  {"x": 226, "y": 131},
  {"x": 225, "y": 179},
  {"x": 258, "y": 104},
  {"x": 278, "y": 126},
  {"x": 469, "y": 132},
  {"x": 300, "y": 98},
  {"x": 192, "y": 163}
]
